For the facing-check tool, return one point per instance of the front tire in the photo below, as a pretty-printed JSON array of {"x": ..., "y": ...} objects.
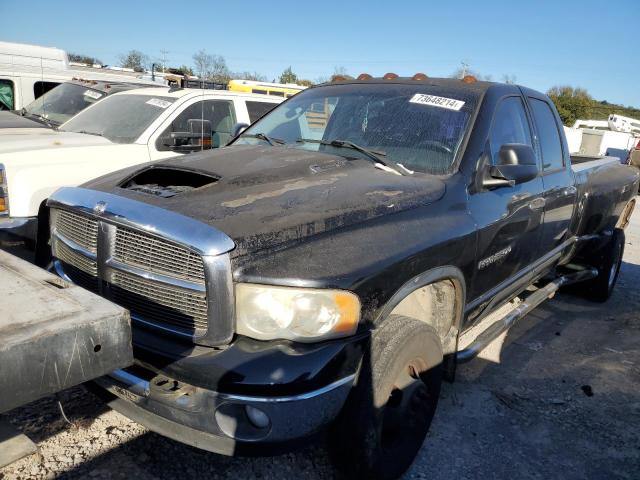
[{"x": 389, "y": 411}]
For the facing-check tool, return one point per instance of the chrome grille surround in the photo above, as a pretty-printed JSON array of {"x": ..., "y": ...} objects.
[{"x": 133, "y": 262}]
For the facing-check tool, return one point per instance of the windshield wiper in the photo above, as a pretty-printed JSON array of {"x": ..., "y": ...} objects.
[
  {"x": 270, "y": 140},
  {"x": 89, "y": 133},
  {"x": 375, "y": 155},
  {"x": 40, "y": 118}
]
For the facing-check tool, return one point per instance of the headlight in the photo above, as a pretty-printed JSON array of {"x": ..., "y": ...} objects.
[
  {"x": 300, "y": 314},
  {"x": 4, "y": 193}
]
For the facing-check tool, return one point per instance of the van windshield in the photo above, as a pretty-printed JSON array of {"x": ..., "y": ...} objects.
[
  {"x": 419, "y": 127},
  {"x": 62, "y": 102},
  {"x": 119, "y": 118}
]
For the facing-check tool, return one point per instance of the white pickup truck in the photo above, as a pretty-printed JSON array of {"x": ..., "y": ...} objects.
[{"x": 124, "y": 129}]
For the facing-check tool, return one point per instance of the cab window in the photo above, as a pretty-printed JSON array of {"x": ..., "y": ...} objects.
[
  {"x": 549, "y": 137},
  {"x": 40, "y": 88},
  {"x": 219, "y": 113},
  {"x": 6, "y": 94},
  {"x": 258, "y": 109},
  {"x": 510, "y": 125}
]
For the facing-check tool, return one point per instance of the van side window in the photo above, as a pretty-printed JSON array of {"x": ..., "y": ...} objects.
[
  {"x": 550, "y": 143},
  {"x": 258, "y": 109},
  {"x": 40, "y": 88},
  {"x": 220, "y": 113},
  {"x": 510, "y": 125},
  {"x": 6, "y": 94}
]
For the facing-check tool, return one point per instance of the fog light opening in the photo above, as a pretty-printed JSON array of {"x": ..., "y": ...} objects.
[{"x": 257, "y": 417}]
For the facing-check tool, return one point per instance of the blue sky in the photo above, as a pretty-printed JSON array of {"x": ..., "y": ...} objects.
[{"x": 591, "y": 44}]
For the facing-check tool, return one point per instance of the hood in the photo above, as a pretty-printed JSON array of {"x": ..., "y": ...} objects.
[
  {"x": 44, "y": 138},
  {"x": 10, "y": 120},
  {"x": 267, "y": 196}
]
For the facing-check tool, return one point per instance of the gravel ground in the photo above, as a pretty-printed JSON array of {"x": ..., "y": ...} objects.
[{"x": 561, "y": 400}]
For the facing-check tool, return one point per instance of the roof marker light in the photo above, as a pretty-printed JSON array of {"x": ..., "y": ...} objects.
[
  {"x": 364, "y": 76},
  {"x": 469, "y": 79},
  {"x": 338, "y": 78},
  {"x": 390, "y": 76},
  {"x": 420, "y": 77}
]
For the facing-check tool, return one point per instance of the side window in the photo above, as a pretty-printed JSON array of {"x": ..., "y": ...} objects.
[
  {"x": 550, "y": 143},
  {"x": 6, "y": 94},
  {"x": 510, "y": 125},
  {"x": 219, "y": 113},
  {"x": 40, "y": 88},
  {"x": 258, "y": 109}
]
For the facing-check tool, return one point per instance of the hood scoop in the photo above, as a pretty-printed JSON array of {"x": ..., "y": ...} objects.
[{"x": 166, "y": 182}]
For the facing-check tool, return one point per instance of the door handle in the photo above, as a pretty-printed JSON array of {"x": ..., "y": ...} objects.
[
  {"x": 570, "y": 190},
  {"x": 537, "y": 203}
]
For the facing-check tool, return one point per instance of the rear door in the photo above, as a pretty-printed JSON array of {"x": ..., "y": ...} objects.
[
  {"x": 509, "y": 218},
  {"x": 557, "y": 178}
]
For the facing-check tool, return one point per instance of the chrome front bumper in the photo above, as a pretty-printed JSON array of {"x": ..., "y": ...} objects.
[
  {"x": 14, "y": 229},
  {"x": 223, "y": 423}
]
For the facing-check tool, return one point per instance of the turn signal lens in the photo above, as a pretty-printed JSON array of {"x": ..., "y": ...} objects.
[{"x": 4, "y": 195}]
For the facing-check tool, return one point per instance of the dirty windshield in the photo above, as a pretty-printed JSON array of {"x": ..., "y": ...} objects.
[
  {"x": 61, "y": 103},
  {"x": 418, "y": 127},
  {"x": 119, "y": 118}
]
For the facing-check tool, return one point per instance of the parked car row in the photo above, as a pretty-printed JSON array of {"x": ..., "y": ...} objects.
[
  {"x": 319, "y": 272},
  {"x": 128, "y": 128}
]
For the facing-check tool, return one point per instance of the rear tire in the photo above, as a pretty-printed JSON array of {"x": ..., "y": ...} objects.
[
  {"x": 389, "y": 412},
  {"x": 607, "y": 260}
]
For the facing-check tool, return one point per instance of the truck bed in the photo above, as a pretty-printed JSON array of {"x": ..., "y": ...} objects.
[{"x": 54, "y": 335}]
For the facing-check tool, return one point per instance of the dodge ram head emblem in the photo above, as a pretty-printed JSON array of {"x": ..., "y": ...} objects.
[{"x": 100, "y": 208}]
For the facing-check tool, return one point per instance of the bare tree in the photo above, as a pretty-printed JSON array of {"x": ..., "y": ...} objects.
[
  {"x": 134, "y": 59},
  {"x": 211, "y": 67},
  {"x": 509, "y": 78},
  {"x": 255, "y": 76}
]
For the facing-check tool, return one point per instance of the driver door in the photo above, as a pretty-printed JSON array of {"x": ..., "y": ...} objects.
[
  {"x": 509, "y": 218},
  {"x": 220, "y": 115}
]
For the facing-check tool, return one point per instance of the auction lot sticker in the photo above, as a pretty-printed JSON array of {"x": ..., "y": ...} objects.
[
  {"x": 435, "y": 101},
  {"x": 156, "y": 102}
]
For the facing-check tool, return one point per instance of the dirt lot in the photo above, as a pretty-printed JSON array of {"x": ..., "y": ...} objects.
[{"x": 562, "y": 401}]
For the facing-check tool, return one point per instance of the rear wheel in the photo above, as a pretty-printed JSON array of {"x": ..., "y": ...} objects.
[
  {"x": 389, "y": 412},
  {"x": 607, "y": 260}
]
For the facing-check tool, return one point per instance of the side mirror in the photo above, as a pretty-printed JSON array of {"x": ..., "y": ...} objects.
[
  {"x": 199, "y": 137},
  {"x": 238, "y": 128},
  {"x": 516, "y": 164}
]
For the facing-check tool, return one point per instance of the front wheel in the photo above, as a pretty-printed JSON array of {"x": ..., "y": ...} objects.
[{"x": 389, "y": 412}]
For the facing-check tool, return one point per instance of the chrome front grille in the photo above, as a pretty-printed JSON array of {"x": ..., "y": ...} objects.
[
  {"x": 75, "y": 259},
  {"x": 157, "y": 255},
  {"x": 161, "y": 283},
  {"x": 160, "y": 303},
  {"x": 79, "y": 229}
]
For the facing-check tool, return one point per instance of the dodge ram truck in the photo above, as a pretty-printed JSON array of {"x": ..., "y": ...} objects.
[{"x": 319, "y": 275}]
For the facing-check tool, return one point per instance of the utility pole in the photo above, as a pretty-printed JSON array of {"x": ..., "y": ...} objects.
[
  {"x": 465, "y": 67},
  {"x": 164, "y": 59}
]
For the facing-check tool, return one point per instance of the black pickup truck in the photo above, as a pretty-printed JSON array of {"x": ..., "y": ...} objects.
[{"x": 320, "y": 271}]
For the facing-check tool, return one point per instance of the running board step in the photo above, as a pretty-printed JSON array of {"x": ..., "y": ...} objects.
[{"x": 531, "y": 302}]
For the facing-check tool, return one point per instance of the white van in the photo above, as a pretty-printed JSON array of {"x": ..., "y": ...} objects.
[{"x": 29, "y": 71}]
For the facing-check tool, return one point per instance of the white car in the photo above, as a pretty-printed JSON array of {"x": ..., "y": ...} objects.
[{"x": 125, "y": 129}]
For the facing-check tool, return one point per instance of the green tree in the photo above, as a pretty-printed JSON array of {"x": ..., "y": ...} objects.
[
  {"x": 572, "y": 103},
  {"x": 288, "y": 76},
  {"x": 134, "y": 59},
  {"x": 76, "y": 57}
]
